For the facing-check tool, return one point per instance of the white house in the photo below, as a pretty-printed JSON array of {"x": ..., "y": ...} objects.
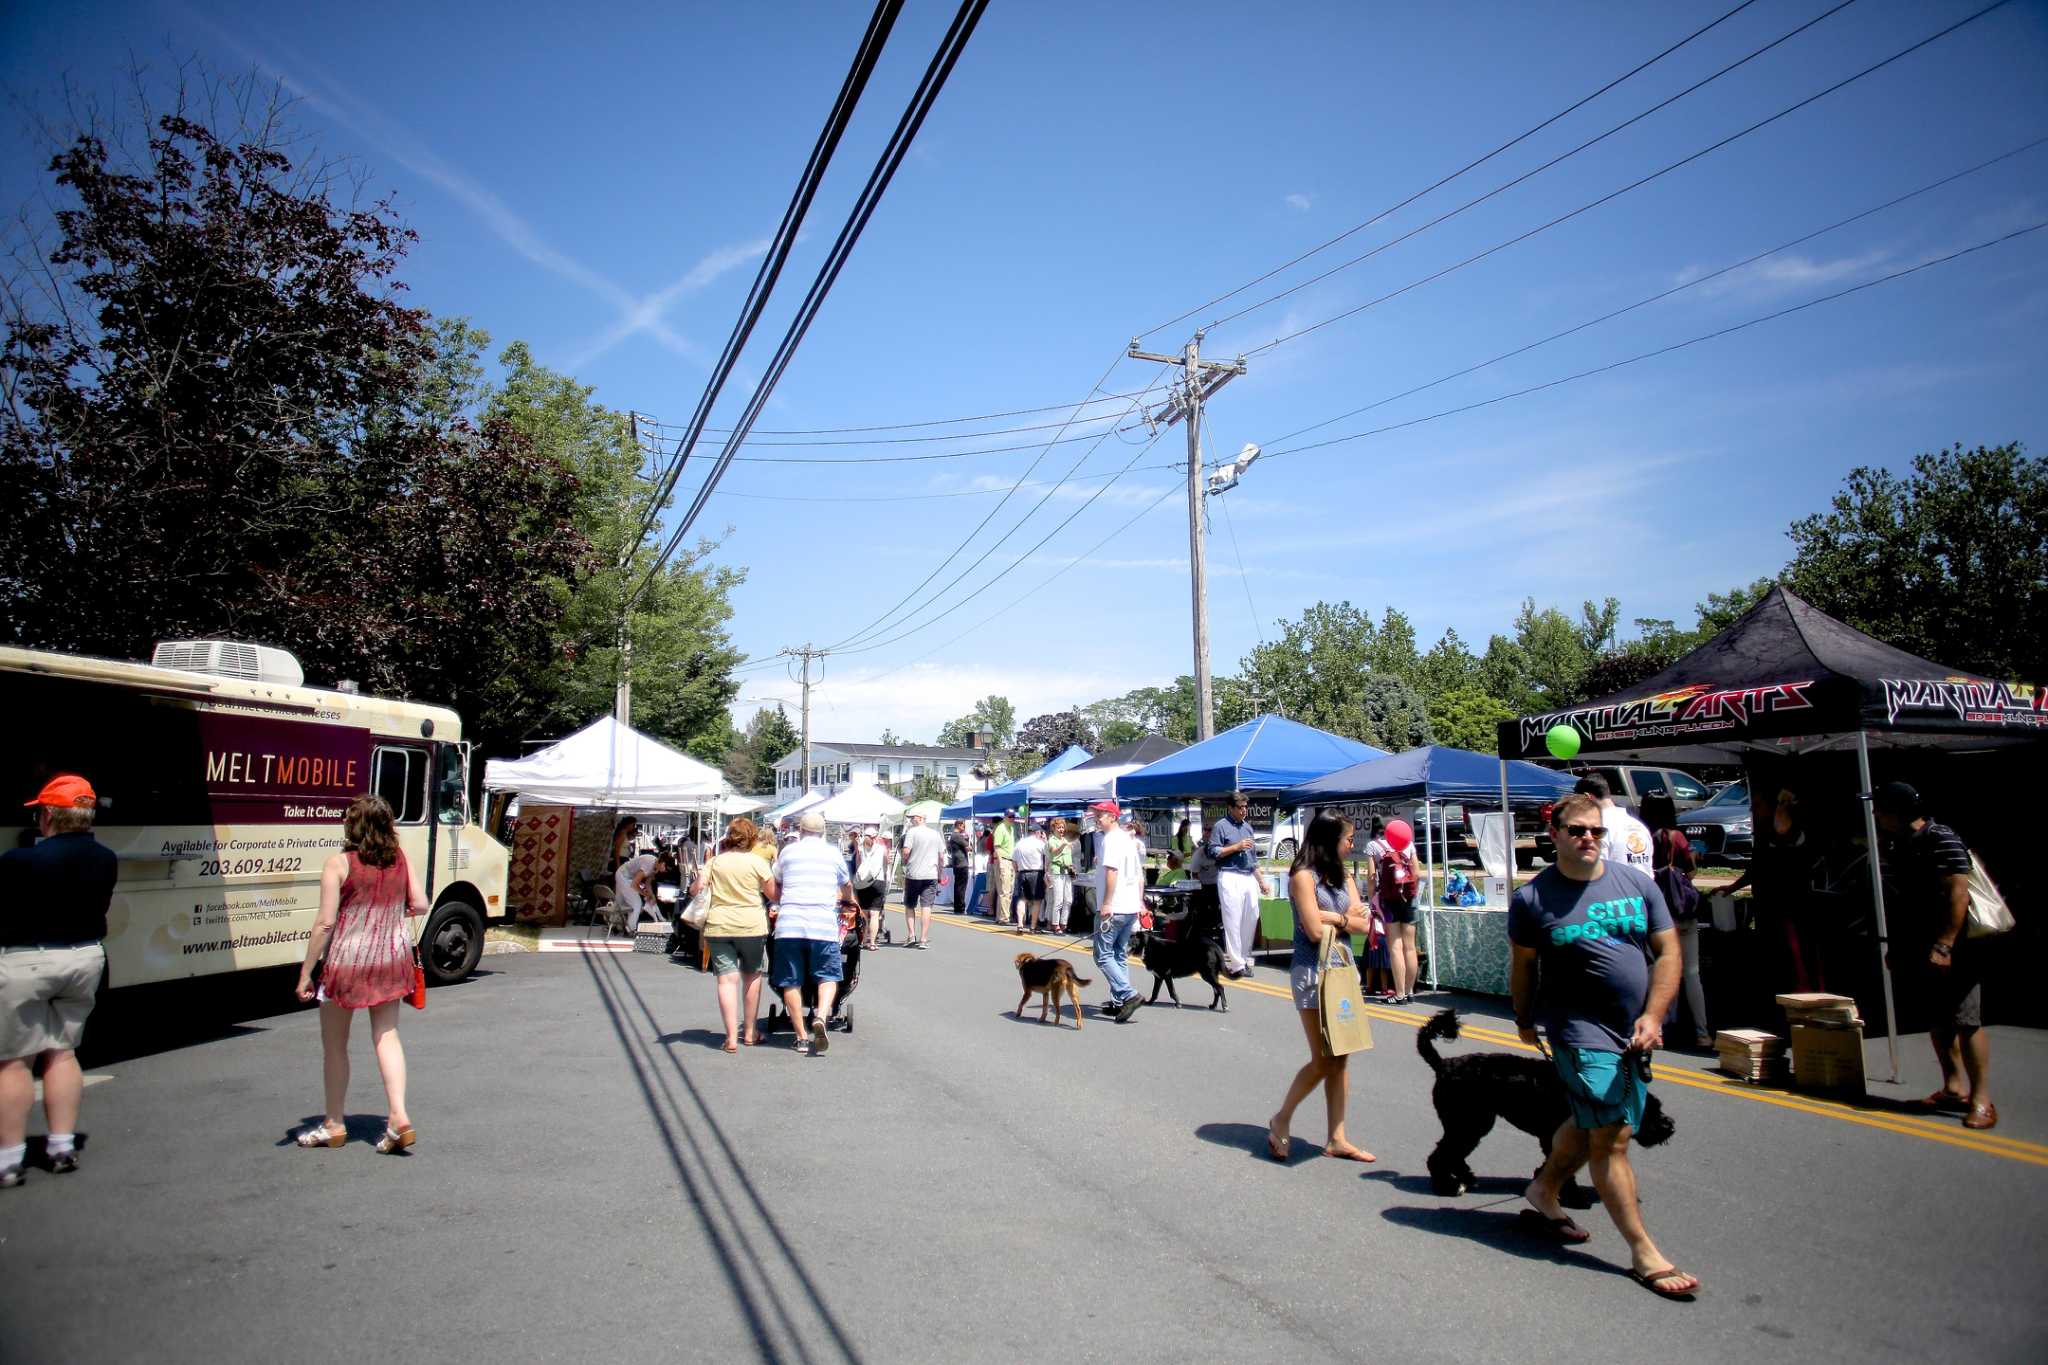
[{"x": 836, "y": 765}]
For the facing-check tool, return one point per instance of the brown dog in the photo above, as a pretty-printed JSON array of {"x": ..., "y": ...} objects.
[{"x": 1048, "y": 977}]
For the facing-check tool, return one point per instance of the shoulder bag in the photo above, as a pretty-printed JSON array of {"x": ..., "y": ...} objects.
[
  {"x": 1989, "y": 915},
  {"x": 1340, "y": 1005}
]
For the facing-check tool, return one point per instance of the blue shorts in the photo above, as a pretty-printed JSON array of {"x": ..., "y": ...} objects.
[
  {"x": 793, "y": 961},
  {"x": 1605, "y": 1088}
]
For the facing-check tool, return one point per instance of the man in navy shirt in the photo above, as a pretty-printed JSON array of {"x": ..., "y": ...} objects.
[
  {"x": 53, "y": 914},
  {"x": 1233, "y": 845},
  {"x": 1600, "y": 936}
]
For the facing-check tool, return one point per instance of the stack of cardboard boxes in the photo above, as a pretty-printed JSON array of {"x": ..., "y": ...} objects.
[
  {"x": 1752, "y": 1054},
  {"x": 1827, "y": 1043}
]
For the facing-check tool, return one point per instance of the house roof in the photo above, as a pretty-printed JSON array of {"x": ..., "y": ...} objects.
[{"x": 909, "y": 751}]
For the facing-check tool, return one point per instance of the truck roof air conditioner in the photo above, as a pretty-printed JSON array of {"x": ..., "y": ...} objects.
[{"x": 230, "y": 659}]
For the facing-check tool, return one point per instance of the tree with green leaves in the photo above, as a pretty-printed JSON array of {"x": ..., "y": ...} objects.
[
  {"x": 218, "y": 419},
  {"x": 750, "y": 763},
  {"x": 992, "y": 713},
  {"x": 1949, "y": 560},
  {"x": 1048, "y": 736},
  {"x": 1466, "y": 718}
]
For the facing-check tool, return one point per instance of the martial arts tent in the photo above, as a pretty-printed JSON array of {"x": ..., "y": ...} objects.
[
  {"x": 609, "y": 765},
  {"x": 1787, "y": 680},
  {"x": 1096, "y": 779},
  {"x": 1269, "y": 754}
]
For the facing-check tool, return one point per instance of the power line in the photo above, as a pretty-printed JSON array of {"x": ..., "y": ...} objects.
[
  {"x": 905, "y": 426},
  {"x": 941, "y": 66},
  {"x": 1674, "y": 346},
  {"x": 1468, "y": 166},
  {"x": 987, "y": 554},
  {"x": 1045, "y": 582},
  {"x": 1631, "y": 186},
  {"x": 865, "y": 58},
  {"x": 1661, "y": 295},
  {"x": 930, "y": 497},
  {"x": 1531, "y": 174},
  {"x": 881, "y": 621}
]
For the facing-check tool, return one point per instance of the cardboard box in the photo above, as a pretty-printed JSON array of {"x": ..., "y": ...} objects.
[{"x": 1827, "y": 1059}]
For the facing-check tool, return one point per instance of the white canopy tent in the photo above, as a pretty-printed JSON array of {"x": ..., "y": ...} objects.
[
  {"x": 1079, "y": 786},
  {"x": 861, "y": 804},
  {"x": 607, "y": 764},
  {"x": 732, "y": 803},
  {"x": 791, "y": 809}
]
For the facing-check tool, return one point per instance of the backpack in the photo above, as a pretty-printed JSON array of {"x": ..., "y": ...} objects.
[{"x": 1396, "y": 879}]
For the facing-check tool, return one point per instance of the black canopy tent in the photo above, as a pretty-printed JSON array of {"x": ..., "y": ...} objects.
[{"x": 1787, "y": 679}]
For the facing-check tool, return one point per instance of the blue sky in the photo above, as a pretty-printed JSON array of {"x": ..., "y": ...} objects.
[{"x": 597, "y": 184}]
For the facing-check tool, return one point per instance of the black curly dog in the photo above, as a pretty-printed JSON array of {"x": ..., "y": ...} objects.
[{"x": 1472, "y": 1091}]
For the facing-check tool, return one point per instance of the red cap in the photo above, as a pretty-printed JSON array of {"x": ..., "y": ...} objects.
[
  {"x": 1109, "y": 806},
  {"x": 65, "y": 789}
]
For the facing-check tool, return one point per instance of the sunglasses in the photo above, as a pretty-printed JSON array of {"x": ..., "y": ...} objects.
[{"x": 1586, "y": 831}]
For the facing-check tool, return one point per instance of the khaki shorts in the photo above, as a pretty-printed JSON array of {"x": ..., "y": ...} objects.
[{"x": 45, "y": 996}]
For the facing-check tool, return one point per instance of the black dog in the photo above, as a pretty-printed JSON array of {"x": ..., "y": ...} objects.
[
  {"x": 1473, "y": 1091},
  {"x": 1193, "y": 956}
]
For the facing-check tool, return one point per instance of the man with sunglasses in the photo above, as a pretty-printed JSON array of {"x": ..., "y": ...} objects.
[{"x": 1596, "y": 960}]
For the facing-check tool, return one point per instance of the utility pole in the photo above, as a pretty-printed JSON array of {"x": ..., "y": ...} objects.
[
  {"x": 1201, "y": 379},
  {"x": 806, "y": 654},
  {"x": 622, "y": 702}
]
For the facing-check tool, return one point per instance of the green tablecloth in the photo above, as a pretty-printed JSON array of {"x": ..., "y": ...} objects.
[{"x": 1471, "y": 952}]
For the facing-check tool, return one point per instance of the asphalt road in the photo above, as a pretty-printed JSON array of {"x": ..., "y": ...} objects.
[{"x": 597, "y": 1180}]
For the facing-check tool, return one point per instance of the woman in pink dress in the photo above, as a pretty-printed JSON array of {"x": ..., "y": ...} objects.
[{"x": 363, "y": 952}]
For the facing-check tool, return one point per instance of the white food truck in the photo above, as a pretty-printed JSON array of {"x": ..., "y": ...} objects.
[{"x": 222, "y": 780}]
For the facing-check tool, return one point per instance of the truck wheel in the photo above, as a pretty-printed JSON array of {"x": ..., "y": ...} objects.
[
  {"x": 453, "y": 942},
  {"x": 1285, "y": 852}
]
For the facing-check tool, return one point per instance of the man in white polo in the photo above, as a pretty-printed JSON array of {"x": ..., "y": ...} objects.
[{"x": 811, "y": 876}]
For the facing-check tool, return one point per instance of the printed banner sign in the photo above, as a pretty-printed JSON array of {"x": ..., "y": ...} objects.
[
  {"x": 1699, "y": 712},
  {"x": 261, "y": 771},
  {"x": 1969, "y": 700}
]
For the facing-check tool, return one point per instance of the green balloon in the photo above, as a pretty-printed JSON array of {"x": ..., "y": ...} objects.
[{"x": 1562, "y": 741}]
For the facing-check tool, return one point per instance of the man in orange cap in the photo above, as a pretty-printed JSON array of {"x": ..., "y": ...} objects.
[{"x": 56, "y": 895}]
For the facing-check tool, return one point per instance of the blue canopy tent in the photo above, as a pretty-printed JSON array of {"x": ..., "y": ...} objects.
[
  {"x": 1434, "y": 774},
  {"x": 1010, "y": 795},
  {"x": 1269, "y": 754}
]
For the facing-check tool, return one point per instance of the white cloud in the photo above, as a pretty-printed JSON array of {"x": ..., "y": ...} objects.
[
  {"x": 646, "y": 314},
  {"x": 1787, "y": 274},
  {"x": 1300, "y": 203}
]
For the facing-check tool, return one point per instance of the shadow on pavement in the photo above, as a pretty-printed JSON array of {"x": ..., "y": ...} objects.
[
  {"x": 698, "y": 1037},
  {"x": 1499, "y": 1228},
  {"x": 1250, "y": 1138},
  {"x": 1030, "y": 1017},
  {"x": 758, "y": 1275}
]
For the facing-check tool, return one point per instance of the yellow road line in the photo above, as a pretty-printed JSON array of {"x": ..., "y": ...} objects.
[{"x": 2013, "y": 1149}]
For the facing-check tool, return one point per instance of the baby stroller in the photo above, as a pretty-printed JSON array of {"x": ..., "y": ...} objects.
[{"x": 841, "y": 1020}]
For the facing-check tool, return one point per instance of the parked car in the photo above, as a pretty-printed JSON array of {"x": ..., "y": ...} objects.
[
  {"x": 1722, "y": 831},
  {"x": 1629, "y": 783}
]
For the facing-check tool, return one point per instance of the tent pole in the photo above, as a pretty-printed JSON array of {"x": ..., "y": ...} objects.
[
  {"x": 1508, "y": 813},
  {"x": 1891, "y": 1031},
  {"x": 1429, "y": 896}
]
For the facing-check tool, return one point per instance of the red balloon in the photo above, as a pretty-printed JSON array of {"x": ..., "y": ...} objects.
[{"x": 1399, "y": 836}]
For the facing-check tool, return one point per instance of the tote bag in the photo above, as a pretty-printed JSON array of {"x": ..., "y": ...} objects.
[
  {"x": 1340, "y": 1004},
  {"x": 1988, "y": 915}
]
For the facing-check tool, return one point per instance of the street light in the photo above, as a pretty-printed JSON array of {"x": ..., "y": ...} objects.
[{"x": 1223, "y": 478}]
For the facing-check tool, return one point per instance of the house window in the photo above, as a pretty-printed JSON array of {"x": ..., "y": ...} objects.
[
  {"x": 846, "y": 772},
  {"x": 953, "y": 773},
  {"x": 882, "y": 773},
  {"x": 917, "y": 771}
]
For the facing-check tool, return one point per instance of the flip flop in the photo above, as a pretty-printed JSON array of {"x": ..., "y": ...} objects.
[
  {"x": 1655, "y": 1282},
  {"x": 1279, "y": 1148},
  {"x": 731, "y": 1046},
  {"x": 1355, "y": 1154},
  {"x": 1942, "y": 1102},
  {"x": 1561, "y": 1230}
]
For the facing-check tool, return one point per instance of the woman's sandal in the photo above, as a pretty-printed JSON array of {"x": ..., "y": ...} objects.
[
  {"x": 1279, "y": 1148},
  {"x": 396, "y": 1139},
  {"x": 1658, "y": 1283},
  {"x": 322, "y": 1135},
  {"x": 1350, "y": 1154},
  {"x": 1561, "y": 1230},
  {"x": 731, "y": 1046}
]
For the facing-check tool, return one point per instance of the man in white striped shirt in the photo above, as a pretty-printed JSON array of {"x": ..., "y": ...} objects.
[{"x": 812, "y": 878}]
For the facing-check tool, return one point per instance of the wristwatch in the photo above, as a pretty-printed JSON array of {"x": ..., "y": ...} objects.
[{"x": 1944, "y": 949}]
